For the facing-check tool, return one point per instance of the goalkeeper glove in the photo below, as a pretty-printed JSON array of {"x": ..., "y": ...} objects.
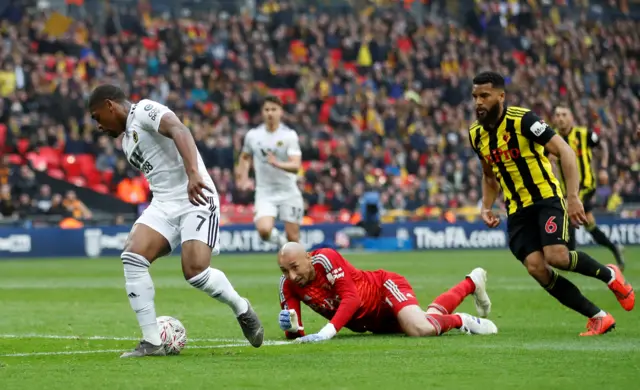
[
  {"x": 325, "y": 334},
  {"x": 288, "y": 320},
  {"x": 312, "y": 338}
]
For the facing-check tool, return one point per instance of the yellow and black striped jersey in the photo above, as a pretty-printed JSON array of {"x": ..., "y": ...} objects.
[
  {"x": 515, "y": 151},
  {"x": 582, "y": 140}
]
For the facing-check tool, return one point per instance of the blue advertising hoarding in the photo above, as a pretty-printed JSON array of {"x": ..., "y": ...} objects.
[{"x": 109, "y": 240}]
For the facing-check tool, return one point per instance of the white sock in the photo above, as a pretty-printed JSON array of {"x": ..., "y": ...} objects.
[
  {"x": 215, "y": 284},
  {"x": 141, "y": 292},
  {"x": 613, "y": 275},
  {"x": 277, "y": 238},
  {"x": 600, "y": 314}
]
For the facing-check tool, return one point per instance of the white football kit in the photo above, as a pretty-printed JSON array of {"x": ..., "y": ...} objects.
[
  {"x": 277, "y": 193},
  {"x": 156, "y": 156}
]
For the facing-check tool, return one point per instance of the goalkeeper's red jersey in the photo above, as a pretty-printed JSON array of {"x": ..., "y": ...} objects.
[{"x": 345, "y": 295}]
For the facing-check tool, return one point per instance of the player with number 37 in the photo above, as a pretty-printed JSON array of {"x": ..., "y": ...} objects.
[{"x": 275, "y": 151}]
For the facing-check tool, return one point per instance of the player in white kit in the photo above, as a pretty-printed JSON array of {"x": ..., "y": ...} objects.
[
  {"x": 275, "y": 151},
  {"x": 184, "y": 210}
]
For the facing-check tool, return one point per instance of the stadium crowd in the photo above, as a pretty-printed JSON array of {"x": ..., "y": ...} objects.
[{"x": 380, "y": 101}]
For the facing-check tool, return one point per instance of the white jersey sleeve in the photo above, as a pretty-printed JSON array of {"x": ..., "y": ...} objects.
[
  {"x": 149, "y": 114},
  {"x": 247, "y": 147},
  {"x": 293, "y": 144}
]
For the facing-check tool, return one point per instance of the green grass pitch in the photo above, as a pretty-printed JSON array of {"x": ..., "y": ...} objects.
[{"x": 63, "y": 324}]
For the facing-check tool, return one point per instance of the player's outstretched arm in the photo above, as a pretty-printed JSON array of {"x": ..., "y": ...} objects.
[
  {"x": 345, "y": 287},
  {"x": 490, "y": 191},
  {"x": 244, "y": 163},
  {"x": 172, "y": 127}
]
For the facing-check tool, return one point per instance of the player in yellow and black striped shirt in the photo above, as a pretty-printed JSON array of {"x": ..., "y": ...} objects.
[
  {"x": 511, "y": 143},
  {"x": 582, "y": 140}
]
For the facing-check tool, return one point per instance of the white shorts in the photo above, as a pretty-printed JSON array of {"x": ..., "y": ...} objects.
[
  {"x": 288, "y": 209},
  {"x": 180, "y": 221}
]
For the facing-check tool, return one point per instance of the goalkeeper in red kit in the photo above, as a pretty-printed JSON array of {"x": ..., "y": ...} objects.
[{"x": 369, "y": 301}]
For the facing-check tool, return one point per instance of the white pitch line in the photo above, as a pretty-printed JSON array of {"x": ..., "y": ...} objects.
[
  {"x": 98, "y": 351},
  {"x": 74, "y": 337}
]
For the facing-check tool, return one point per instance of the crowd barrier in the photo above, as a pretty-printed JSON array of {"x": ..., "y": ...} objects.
[{"x": 109, "y": 240}]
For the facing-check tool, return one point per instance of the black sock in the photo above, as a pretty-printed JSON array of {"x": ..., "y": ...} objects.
[
  {"x": 569, "y": 295},
  {"x": 572, "y": 238},
  {"x": 601, "y": 239},
  {"x": 586, "y": 265}
]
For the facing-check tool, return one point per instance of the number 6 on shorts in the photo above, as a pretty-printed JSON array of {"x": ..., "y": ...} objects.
[{"x": 550, "y": 226}]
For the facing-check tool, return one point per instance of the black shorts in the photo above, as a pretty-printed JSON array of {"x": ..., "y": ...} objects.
[
  {"x": 586, "y": 197},
  {"x": 544, "y": 223}
]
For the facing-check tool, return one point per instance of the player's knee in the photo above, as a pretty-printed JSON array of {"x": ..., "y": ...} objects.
[
  {"x": 420, "y": 329},
  {"x": 146, "y": 243},
  {"x": 264, "y": 232},
  {"x": 557, "y": 256},
  {"x": 190, "y": 271},
  {"x": 196, "y": 258},
  {"x": 414, "y": 323},
  {"x": 536, "y": 266},
  {"x": 264, "y": 227}
]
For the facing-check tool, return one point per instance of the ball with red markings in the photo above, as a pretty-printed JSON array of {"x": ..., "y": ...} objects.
[{"x": 173, "y": 334}]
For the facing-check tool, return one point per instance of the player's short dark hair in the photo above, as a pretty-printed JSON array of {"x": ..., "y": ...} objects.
[
  {"x": 272, "y": 99},
  {"x": 489, "y": 77},
  {"x": 564, "y": 104},
  {"x": 106, "y": 92}
]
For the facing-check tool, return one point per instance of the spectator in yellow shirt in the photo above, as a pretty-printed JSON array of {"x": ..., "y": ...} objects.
[{"x": 7, "y": 80}]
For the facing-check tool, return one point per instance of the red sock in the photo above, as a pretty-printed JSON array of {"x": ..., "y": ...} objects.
[
  {"x": 444, "y": 323},
  {"x": 448, "y": 302}
]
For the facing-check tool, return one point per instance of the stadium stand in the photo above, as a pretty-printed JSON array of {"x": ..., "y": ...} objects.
[{"x": 378, "y": 92}]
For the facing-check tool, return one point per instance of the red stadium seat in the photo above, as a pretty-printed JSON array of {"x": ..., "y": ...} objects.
[
  {"x": 56, "y": 173},
  {"x": 107, "y": 177},
  {"x": 88, "y": 168},
  {"x": 38, "y": 162},
  {"x": 15, "y": 159},
  {"x": 100, "y": 188},
  {"x": 78, "y": 181},
  {"x": 93, "y": 177},
  {"x": 70, "y": 166},
  {"x": 51, "y": 155},
  {"x": 86, "y": 159},
  {"x": 319, "y": 208}
]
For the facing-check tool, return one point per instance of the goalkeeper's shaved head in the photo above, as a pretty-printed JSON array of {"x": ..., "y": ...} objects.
[
  {"x": 292, "y": 248},
  {"x": 295, "y": 263}
]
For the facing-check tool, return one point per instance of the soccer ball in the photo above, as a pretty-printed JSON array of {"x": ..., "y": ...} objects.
[{"x": 173, "y": 334}]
